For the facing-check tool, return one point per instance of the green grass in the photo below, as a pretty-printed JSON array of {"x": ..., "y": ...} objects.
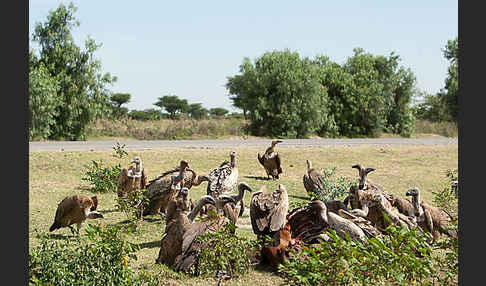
[{"x": 54, "y": 175}]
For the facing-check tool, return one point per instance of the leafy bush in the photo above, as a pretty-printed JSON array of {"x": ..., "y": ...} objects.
[
  {"x": 101, "y": 260},
  {"x": 334, "y": 188},
  {"x": 403, "y": 257},
  {"x": 446, "y": 258},
  {"x": 103, "y": 179},
  {"x": 133, "y": 206},
  {"x": 225, "y": 251}
]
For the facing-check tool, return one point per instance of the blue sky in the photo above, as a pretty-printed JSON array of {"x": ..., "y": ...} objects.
[{"x": 189, "y": 48}]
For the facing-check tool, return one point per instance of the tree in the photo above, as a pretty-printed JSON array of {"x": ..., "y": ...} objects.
[
  {"x": 218, "y": 112},
  {"x": 281, "y": 94},
  {"x": 82, "y": 92},
  {"x": 117, "y": 100},
  {"x": 451, "y": 90},
  {"x": 120, "y": 98},
  {"x": 173, "y": 105},
  {"x": 43, "y": 100},
  {"x": 196, "y": 111}
]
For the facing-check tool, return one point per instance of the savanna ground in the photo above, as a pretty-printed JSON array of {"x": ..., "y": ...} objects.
[{"x": 55, "y": 175}]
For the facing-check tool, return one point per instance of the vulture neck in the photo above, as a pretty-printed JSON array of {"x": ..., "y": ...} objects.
[
  {"x": 323, "y": 216},
  {"x": 192, "y": 215},
  {"x": 233, "y": 161},
  {"x": 138, "y": 167},
  {"x": 416, "y": 203},
  {"x": 309, "y": 165}
]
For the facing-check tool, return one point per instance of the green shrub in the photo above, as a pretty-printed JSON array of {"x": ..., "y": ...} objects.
[
  {"x": 334, "y": 188},
  {"x": 103, "y": 179},
  {"x": 392, "y": 261},
  {"x": 133, "y": 206},
  {"x": 102, "y": 259},
  {"x": 225, "y": 251}
]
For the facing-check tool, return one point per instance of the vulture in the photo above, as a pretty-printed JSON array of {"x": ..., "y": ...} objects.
[
  {"x": 312, "y": 179},
  {"x": 404, "y": 206},
  {"x": 75, "y": 210},
  {"x": 367, "y": 185},
  {"x": 132, "y": 178},
  {"x": 309, "y": 224},
  {"x": 397, "y": 218},
  {"x": 179, "y": 220},
  {"x": 163, "y": 188},
  {"x": 188, "y": 259},
  {"x": 362, "y": 205},
  {"x": 429, "y": 218},
  {"x": 228, "y": 203},
  {"x": 268, "y": 211},
  {"x": 224, "y": 178},
  {"x": 271, "y": 161}
]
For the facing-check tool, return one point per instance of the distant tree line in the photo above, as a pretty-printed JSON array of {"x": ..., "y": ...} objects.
[
  {"x": 171, "y": 107},
  {"x": 285, "y": 95}
]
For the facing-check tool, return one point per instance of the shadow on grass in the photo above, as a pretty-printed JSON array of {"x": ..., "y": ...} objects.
[
  {"x": 299, "y": 197},
  {"x": 107, "y": 211},
  {"x": 151, "y": 244},
  {"x": 257, "y": 178}
]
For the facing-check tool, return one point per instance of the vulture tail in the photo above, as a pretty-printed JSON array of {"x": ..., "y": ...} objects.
[
  {"x": 54, "y": 226},
  {"x": 260, "y": 159}
]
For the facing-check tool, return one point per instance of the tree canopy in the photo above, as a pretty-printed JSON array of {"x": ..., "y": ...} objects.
[
  {"x": 173, "y": 105},
  {"x": 73, "y": 76}
]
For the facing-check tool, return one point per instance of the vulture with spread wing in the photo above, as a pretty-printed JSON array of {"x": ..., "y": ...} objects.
[
  {"x": 165, "y": 187},
  {"x": 268, "y": 211},
  {"x": 132, "y": 178},
  {"x": 271, "y": 161}
]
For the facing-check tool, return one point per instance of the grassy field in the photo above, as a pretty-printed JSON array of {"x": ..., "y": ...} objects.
[{"x": 54, "y": 175}]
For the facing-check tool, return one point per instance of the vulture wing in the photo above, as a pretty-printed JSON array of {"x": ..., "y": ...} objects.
[
  {"x": 122, "y": 179},
  {"x": 143, "y": 183},
  {"x": 260, "y": 159},
  {"x": 277, "y": 163}
]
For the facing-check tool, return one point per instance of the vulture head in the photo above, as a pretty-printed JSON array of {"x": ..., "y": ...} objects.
[
  {"x": 363, "y": 172},
  {"x": 184, "y": 165},
  {"x": 138, "y": 163},
  {"x": 182, "y": 198},
  {"x": 414, "y": 192},
  {"x": 233, "y": 158},
  {"x": 275, "y": 142}
]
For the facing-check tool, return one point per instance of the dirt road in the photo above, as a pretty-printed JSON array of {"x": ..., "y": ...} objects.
[{"x": 227, "y": 143}]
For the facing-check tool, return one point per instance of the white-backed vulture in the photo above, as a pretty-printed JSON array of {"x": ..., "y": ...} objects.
[
  {"x": 393, "y": 214},
  {"x": 179, "y": 221},
  {"x": 312, "y": 179},
  {"x": 429, "y": 218},
  {"x": 268, "y": 211},
  {"x": 339, "y": 224},
  {"x": 164, "y": 188},
  {"x": 75, "y": 209},
  {"x": 309, "y": 223},
  {"x": 271, "y": 161},
  {"x": 188, "y": 259},
  {"x": 229, "y": 203},
  {"x": 365, "y": 184},
  {"x": 403, "y": 205},
  {"x": 223, "y": 179},
  {"x": 132, "y": 178}
]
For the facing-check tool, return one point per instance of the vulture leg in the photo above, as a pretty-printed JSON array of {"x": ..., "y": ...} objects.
[
  {"x": 72, "y": 229},
  {"x": 78, "y": 227}
]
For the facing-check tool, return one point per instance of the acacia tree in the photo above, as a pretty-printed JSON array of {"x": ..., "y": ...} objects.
[
  {"x": 117, "y": 100},
  {"x": 281, "y": 94},
  {"x": 196, "y": 111},
  {"x": 218, "y": 112},
  {"x": 173, "y": 105},
  {"x": 82, "y": 90}
]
